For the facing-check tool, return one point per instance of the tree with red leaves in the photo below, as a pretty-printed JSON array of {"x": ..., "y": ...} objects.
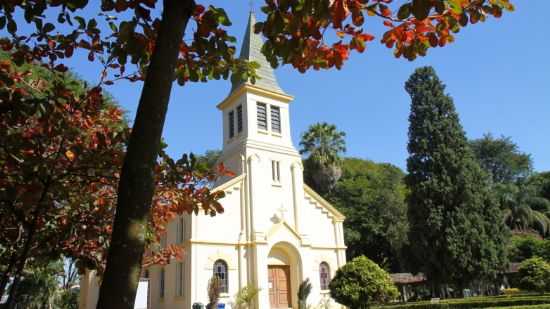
[
  {"x": 61, "y": 146},
  {"x": 61, "y": 150},
  {"x": 296, "y": 33}
]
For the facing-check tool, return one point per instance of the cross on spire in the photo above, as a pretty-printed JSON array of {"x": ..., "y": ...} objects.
[{"x": 251, "y": 5}]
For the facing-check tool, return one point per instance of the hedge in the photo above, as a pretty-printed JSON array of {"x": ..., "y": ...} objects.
[
  {"x": 476, "y": 302},
  {"x": 546, "y": 306}
]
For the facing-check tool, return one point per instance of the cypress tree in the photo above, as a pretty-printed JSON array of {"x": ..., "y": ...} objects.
[{"x": 457, "y": 234}]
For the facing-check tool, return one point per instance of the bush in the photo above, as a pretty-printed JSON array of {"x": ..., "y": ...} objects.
[
  {"x": 303, "y": 292},
  {"x": 547, "y": 306},
  {"x": 68, "y": 299},
  {"x": 360, "y": 283},
  {"x": 245, "y": 296},
  {"x": 534, "y": 274}
]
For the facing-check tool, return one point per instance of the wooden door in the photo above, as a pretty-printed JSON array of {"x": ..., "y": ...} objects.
[{"x": 279, "y": 286}]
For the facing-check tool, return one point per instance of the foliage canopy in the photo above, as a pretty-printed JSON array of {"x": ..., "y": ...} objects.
[
  {"x": 456, "y": 228},
  {"x": 372, "y": 197}
]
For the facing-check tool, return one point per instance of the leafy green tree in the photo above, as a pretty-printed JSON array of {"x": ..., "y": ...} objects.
[
  {"x": 208, "y": 160},
  {"x": 543, "y": 181},
  {"x": 456, "y": 232},
  {"x": 520, "y": 193},
  {"x": 361, "y": 283},
  {"x": 534, "y": 275},
  {"x": 501, "y": 158},
  {"x": 540, "y": 184},
  {"x": 41, "y": 287},
  {"x": 526, "y": 246},
  {"x": 323, "y": 145},
  {"x": 523, "y": 209},
  {"x": 372, "y": 196},
  {"x": 38, "y": 287}
]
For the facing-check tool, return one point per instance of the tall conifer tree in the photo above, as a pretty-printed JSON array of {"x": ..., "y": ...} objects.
[{"x": 456, "y": 230}]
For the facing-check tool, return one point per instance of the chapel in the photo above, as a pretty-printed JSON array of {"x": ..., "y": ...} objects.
[{"x": 275, "y": 231}]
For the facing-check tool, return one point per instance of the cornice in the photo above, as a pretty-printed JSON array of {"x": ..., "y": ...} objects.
[{"x": 254, "y": 90}]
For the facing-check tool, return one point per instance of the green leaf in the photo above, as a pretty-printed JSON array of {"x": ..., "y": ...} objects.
[
  {"x": 12, "y": 26},
  {"x": 404, "y": 11},
  {"x": 113, "y": 26},
  {"x": 440, "y": 7},
  {"x": 81, "y": 21},
  {"x": 455, "y": 6},
  {"x": 2, "y": 22},
  {"x": 221, "y": 16},
  {"x": 48, "y": 27},
  {"x": 421, "y": 8},
  {"x": 76, "y": 4},
  {"x": 92, "y": 24},
  {"x": 61, "y": 18}
]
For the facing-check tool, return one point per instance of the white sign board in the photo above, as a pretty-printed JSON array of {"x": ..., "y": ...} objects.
[{"x": 142, "y": 295}]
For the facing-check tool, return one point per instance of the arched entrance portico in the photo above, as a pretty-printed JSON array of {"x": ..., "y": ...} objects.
[{"x": 284, "y": 268}]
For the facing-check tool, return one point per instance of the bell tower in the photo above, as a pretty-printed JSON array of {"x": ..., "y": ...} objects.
[
  {"x": 257, "y": 146},
  {"x": 255, "y": 115}
]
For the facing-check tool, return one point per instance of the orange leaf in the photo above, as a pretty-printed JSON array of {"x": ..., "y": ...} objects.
[{"x": 70, "y": 155}]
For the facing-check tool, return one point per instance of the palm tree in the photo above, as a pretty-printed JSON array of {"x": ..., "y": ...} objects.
[
  {"x": 323, "y": 144},
  {"x": 303, "y": 292},
  {"x": 520, "y": 211}
]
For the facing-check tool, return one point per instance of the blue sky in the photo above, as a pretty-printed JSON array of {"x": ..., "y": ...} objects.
[{"x": 497, "y": 73}]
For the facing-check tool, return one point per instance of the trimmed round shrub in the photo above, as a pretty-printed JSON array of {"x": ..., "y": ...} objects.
[
  {"x": 361, "y": 283},
  {"x": 534, "y": 274}
]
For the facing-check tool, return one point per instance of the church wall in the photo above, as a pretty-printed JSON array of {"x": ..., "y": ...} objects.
[
  {"x": 205, "y": 256},
  {"x": 319, "y": 256},
  {"x": 318, "y": 225},
  {"x": 225, "y": 227},
  {"x": 272, "y": 198}
]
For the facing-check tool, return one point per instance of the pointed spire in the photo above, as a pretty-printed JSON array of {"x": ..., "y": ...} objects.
[{"x": 252, "y": 50}]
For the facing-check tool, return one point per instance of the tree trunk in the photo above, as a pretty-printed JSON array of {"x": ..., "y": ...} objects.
[{"x": 136, "y": 187}]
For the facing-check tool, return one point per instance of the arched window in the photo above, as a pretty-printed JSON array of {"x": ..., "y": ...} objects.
[
  {"x": 220, "y": 271},
  {"x": 324, "y": 275}
]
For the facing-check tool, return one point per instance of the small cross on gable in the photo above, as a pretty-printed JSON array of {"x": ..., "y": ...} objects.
[{"x": 282, "y": 210}]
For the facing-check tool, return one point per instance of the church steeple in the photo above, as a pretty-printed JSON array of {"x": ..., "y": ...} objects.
[
  {"x": 255, "y": 116},
  {"x": 251, "y": 50}
]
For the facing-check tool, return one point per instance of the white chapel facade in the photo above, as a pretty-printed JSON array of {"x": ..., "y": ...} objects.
[{"x": 275, "y": 231}]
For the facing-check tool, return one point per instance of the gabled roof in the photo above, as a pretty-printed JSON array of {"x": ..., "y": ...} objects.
[
  {"x": 324, "y": 203},
  {"x": 251, "y": 50},
  {"x": 235, "y": 181},
  {"x": 309, "y": 194}
]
